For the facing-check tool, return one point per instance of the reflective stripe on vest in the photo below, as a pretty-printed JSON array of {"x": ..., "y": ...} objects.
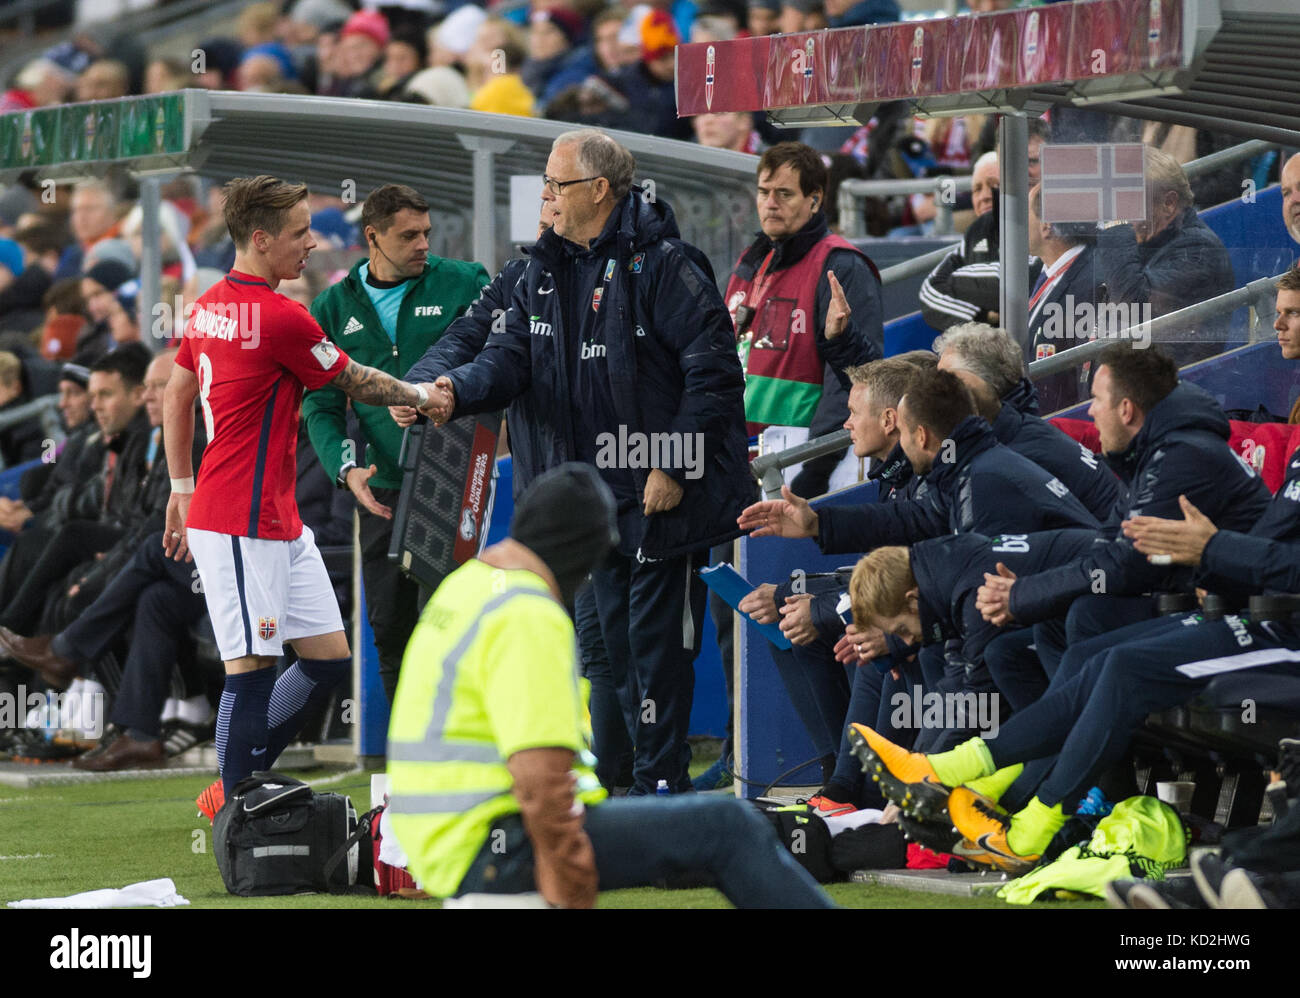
[{"x": 434, "y": 747}]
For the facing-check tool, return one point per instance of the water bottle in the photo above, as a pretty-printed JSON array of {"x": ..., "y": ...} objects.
[{"x": 661, "y": 788}]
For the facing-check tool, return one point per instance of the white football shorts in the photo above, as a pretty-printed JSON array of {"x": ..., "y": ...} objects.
[{"x": 262, "y": 593}]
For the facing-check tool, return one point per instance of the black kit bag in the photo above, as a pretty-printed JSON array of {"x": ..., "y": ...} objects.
[
  {"x": 275, "y": 835},
  {"x": 806, "y": 837}
]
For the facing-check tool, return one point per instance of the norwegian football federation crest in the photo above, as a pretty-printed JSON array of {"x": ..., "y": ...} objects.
[
  {"x": 709, "y": 64},
  {"x": 266, "y": 628},
  {"x": 1155, "y": 22},
  {"x": 596, "y": 296},
  {"x": 918, "y": 51},
  {"x": 808, "y": 50},
  {"x": 467, "y": 526}
]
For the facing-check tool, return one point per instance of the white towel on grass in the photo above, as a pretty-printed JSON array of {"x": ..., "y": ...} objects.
[{"x": 149, "y": 894}]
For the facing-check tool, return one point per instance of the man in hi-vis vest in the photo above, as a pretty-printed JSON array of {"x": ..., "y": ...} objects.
[{"x": 492, "y": 785}]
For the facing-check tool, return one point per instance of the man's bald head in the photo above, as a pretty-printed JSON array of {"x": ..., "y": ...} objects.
[{"x": 1291, "y": 196}]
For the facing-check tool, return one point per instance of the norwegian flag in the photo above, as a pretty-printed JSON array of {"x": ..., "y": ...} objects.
[{"x": 1094, "y": 183}]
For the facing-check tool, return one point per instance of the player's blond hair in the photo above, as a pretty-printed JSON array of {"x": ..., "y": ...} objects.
[{"x": 879, "y": 585}]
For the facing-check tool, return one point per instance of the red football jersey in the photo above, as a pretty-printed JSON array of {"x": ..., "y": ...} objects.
[{"x": 252, "y": 350}]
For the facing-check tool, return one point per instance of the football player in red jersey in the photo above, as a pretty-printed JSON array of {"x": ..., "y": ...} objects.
[{"x": 247, "y": 354}]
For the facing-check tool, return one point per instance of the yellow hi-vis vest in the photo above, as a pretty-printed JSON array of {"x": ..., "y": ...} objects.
[{"x": 490, "y": 670}]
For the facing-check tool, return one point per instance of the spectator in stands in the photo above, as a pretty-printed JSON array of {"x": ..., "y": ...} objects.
[
  {"x": 95, "y": 216},
  {"x": 258, "y": 24},
  {"x": 221, "y": 58},
  {"x": 714, "y": 23},
  {"x": 605, "y": 50},
  {"x": 792, "y": 16},
  {"x": 20, "y": 301},
  {"x": 98, "y": 289},
  {"x": 16, "y": 200},
  {"x": 65, "y": 318},
  {"x": 55, "y": 485},
  {"x": 728, "y": 130},
  {"x": 1062, "y": 298},
  {"x": 123, "y": 317},
  {"x": 847, "y": 13},
  {"x": 450, "y": 42},
  {"x": 41, "y": 83},
  {"x": 761, "y": 17},
  {"x": 360, "y": 50},
  {"x": 104, "y": 79},
  {"x": 404, "y": 56},
  {"x": 440, "y": 86},
  {"x": 555, "y": 60},
  {"x": 23, "y": 441},
  {"x": 648, "y": 85},
  {"x": 1169, "y": 261},
  {"x": 989, "y": 363},
  {"x": 965, "y": 285},
  {"x": 493, "y": 65},
  {"x": 39, "y": 558},
  {"x": 165, "y": 73},
  {"x": 1291, "y": 196},
  {"x": 260, "y": 72}
]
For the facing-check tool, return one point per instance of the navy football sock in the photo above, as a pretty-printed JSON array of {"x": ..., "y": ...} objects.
[
  {"x": 241, "y": 726},
  {"x": 298, "y": 692}
]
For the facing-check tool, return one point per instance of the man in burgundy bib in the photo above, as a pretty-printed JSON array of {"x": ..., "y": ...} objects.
[{"x": 802, "y": 298}]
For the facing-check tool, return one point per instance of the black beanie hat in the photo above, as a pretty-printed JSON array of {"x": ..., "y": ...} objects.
[
  {"x": 568, "y": 518},
  {"x": 110, "y": 274}
]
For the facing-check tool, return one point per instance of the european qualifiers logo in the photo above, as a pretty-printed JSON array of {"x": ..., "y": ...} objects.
[{"x": 645, "y": 451}]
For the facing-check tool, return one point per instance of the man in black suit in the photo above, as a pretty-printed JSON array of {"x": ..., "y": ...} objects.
[{"x": 1062, "y": 303}]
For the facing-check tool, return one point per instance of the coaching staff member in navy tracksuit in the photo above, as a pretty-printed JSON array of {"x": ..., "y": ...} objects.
[{"x": 619, "y": 334}]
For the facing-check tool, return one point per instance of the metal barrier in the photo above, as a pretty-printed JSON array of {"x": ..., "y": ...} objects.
[
  {"x": 942, "y": 187},
  {"x": 1189, "y": 316},
  {"x": 767, "y": 469},
  {"x": 45, "y": 408},
  {"x": 1227, "y": 157}
]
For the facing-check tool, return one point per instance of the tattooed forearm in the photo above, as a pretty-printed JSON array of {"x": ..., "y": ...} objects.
[{"x": 373, "y": 387}]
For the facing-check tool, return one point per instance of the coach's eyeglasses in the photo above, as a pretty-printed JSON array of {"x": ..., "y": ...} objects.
[{"x": 556, "y": 186}]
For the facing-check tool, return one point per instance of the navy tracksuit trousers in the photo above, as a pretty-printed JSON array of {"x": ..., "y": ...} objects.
[
  {"x": 652, "y": 618},
  {"x": 1097, "y": 700}
]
